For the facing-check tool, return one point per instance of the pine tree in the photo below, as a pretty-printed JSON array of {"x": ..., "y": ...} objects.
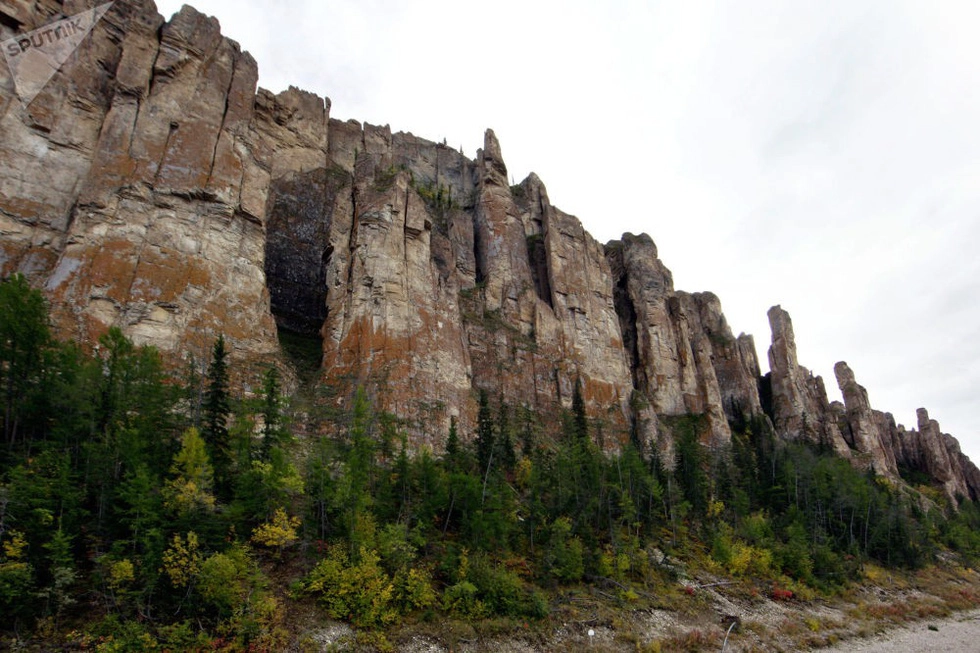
[
  {"x": 117, "y": 353},
  {"x": 504, "y": 443},
  {"x": 484, "y": 435},
  {"x": 189, "y": 489},
  {"x": 23, "y": 337},
  {"x": 216, "y": 412},
  {"x": 580, "y": 423},
  {"x": 527, "y": 431},
  {"x": 355, "y": 494},
  {"x": 139, "y": 506},
  {"x": 271, "y": 412},
  {"x": 320, "y": 486},
  {"x": 691, "y": 459},
  {"x": 452, "y": 447}
]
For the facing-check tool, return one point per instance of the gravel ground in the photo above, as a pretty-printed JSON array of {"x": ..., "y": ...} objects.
[{"x": 958, "y": 634}]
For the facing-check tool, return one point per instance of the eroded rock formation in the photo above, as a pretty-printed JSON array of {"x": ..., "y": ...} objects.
[
  {"x": 151, "y": 186},
  {"x": 800, "y": 408},
  {"x": 128, "y": 188},
  {"x": 869, "y": 431}
]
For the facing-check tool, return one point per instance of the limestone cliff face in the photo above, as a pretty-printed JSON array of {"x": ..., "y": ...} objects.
[
  {"x": 684, "y": 357},
  {"x": 152, "y": 187},
  {"x": 869, "y": 431},
  {"x": 890, "y": 449},
  {"x": 127, "y": 187},
  {"x": 938, "y": 455},
  {"x": 800, "y": 409}
]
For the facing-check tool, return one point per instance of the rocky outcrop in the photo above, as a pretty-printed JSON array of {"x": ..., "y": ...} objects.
[
  {"x": 152, "y": 187},
  {"x": 683, "y": 355},
  {"x": 392, "y": 314},
  {"x": 800, "y": 409},
  {"x": 437, "y": 278},
  {"x": 893, "y": 451},
  {"x": 127, "y": 191},
  {"x": 868, "y": 431},
  {"x": 930, "y": 451},
  {"x": 734, "y": 360},
  {"x": 869, "y": 437}
]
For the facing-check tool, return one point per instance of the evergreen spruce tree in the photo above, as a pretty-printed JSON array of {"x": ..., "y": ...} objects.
[
  {"x": 504, "y": 442},
  {"x": 691, "y": 459},
  {"x": 216, "y": 412},
  {"x": 527, "y": 431},
  {"x": 452, "y": 447},
  {"x": 580, "y": 424},
  {"x": 355, "y": 496},
  {"x": 23, "y": 337},
  {"x": 484, "y": 435},
  {"x": 271, "y": 412}
]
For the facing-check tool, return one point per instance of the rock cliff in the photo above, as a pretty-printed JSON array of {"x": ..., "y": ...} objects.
[
  {"x": 129, "y": 189},
  {"x": 800, "y": 409},
  {"x": 152, "y": 186}
]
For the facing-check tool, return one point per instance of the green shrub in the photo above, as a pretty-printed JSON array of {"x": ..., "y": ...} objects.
[
  {"x": 16, "y": 584},
  {"x": 116, "y": 636},
  {"x": 361, "y": 593},
  {"x": 565, "y": 558},
  {"x": 503, "y": 592},
  {"x": 222, "y": 581},
  {"x": 181, "y": 636},
  {"x": 461, "y": 600},
  {"x": 413, "y": 590}
]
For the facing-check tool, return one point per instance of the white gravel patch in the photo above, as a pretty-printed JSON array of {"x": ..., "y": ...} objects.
[{"x": 957, "y": 634}]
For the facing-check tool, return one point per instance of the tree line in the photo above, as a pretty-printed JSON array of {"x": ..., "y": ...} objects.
[{"x": 157, "y": 507}]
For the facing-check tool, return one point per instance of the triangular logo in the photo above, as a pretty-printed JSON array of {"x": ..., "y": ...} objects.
[{"x": 33, "y": 58}]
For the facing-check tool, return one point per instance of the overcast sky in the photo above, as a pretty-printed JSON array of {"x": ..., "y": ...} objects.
[{"x": 824, "y": 156}]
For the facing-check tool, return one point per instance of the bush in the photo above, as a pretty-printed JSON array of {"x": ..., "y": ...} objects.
[
  {"x": 748, "y": 560},
  {"x": 182, "y": 560},
  {"x": 503, "y": 591},
  {"x": 795, "y": 561},
  {"x": 115, "y": 636},
  {"x": 461, "y": 600},
  {"x": 828, "y": 566},
  {"x": 780, "y": 594},
  {"x": 182, "y": 637},
  {"x": 413, "y": 590},
  {"x": 16, "y": 583},
  {"x": 737, "y": 557},
  {"x": 565, "y": 560},
  {"x": 277, "y": 533},
  {"x": 221, "y": 581},
  {"x": 396, "y": 551},
  {"x": 361, "y": 593}
]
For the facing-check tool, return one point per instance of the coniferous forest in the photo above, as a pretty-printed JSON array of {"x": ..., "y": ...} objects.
[{"x": 145, "y": 506}]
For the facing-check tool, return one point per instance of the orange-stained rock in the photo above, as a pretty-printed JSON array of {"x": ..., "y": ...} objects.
[{"x": 128, "y": 171}]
